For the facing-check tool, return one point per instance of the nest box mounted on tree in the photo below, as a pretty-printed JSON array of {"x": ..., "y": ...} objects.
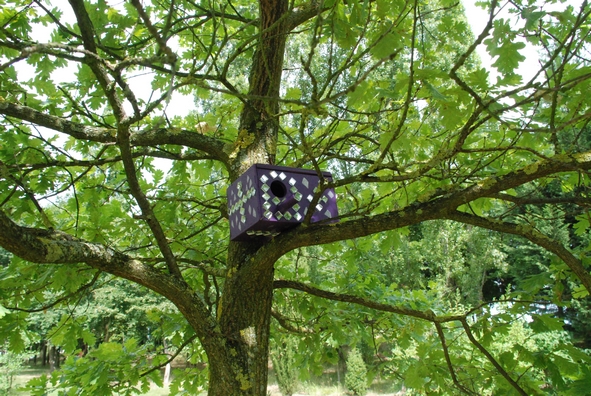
[{"x": 267, "y": 199}]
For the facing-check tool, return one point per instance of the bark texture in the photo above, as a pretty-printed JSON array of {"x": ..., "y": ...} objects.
[{"x": 245, "y": 310}]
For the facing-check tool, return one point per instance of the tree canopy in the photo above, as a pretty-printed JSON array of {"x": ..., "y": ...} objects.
[{"x": 124, "y": 123}]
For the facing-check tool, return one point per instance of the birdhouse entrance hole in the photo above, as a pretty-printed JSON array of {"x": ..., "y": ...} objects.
[{"x": 278, "y": 189}]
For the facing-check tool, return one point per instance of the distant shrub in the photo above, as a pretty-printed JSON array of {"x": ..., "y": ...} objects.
[
  {"x": 356, "y": 376},
  {"x": 286, "y": 371},
  {"x": 10, "y": 365}
]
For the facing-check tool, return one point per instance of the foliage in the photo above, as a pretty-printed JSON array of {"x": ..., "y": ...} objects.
[
  {"x": 10, "y": 365},
  {"x": 4, "y": 257},
  {"x": 460, "y": 258},
  {"x": 125, "y": 364},
  {"x": 283, "y": 354},
  {"x": 356, "y": 377}
]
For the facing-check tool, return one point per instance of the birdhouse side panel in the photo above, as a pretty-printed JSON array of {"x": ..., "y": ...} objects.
[
  {"x": 243, "y": 203},
  {"x": 268, "y": 199}
]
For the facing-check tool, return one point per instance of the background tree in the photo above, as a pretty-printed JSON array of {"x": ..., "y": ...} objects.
[
  {"x": 356, "y": 377},
  {"x": 283, "y": 352},
  {"x": 388, "y": 95}
]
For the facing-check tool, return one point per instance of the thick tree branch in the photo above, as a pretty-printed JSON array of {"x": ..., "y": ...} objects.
[
  {"x": 182, "y": 137},
  {"x": 74, "y": 129},
  {"x": 441, "y": 204},
  {"x": 366, "y": 302},
  {"x": 528, "y": 232},
  {"x": 148, "y": 214},
  {"x": 55, "y": 49},
  {"x": 581, "y": 201},
  {"x": 88, "y": 37},
  {"x": 193, "y": 139},
  {"x": 496, "y": 184},
  {"x": 55, "y": 247},
  {"x": 123, "y": 135},
  {"x": 103, "y": 161},
  {"x": 258, "y": 120},
  {"x": 300, "y": 15}
]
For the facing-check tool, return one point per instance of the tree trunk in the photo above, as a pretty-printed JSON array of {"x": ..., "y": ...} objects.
[
  {"x": 166, "y": 380},
  {"x": 44, "y": 360},
  {"x": 52, "y": 352},
  {"x": 259, "y": 121},
  {"x": 244, "y": 312},
  {"x": 245, "y": 316},
  {"x": 167, "y": 368},
  {"x": 106, "y": 334}
]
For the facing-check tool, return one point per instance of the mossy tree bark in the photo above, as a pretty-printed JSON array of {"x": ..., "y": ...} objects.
[{"x": 244, "y": 313}]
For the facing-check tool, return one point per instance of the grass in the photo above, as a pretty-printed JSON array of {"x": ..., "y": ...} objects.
[
  {"x": 26, "y": 375},
  {"x": 157, "y": 391},
  {"x": 32, "y": 372},
  {"x": 328, "y": 384},
  {"x": 324, "y": 385}
]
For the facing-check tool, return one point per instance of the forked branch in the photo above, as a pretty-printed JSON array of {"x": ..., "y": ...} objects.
[
  {"x": 428, "y": 315},
  {"x": 528, "y": 232}
]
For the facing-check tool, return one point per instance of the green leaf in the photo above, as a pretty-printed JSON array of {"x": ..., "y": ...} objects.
[
  {"x": 360, "y": 94},
  {"x": 508, "y": 56},
  {"x": 478, "y": 79},
  {"x": 546, "y": 323},
  {"x": 582, "y": 385},
  {"x": 386, "y": 46},
  {"x": 580, "y": 291},
  {"x": 344, "y": 33},
  {"x": 293, "y": 94},
  {"x": 531, "y": 17},
  {"x": 16, "y": 342},
  {"x": 532, "y": 284},
  {"x": 434, "y": 92},
  {"x": 109, "y": 351},
  {"x": 416, "y": 376},
  {"x": 582, "y": 225}
]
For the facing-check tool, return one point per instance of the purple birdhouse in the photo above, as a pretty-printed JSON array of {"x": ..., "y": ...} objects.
[{"x": 267, "y": 199}]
